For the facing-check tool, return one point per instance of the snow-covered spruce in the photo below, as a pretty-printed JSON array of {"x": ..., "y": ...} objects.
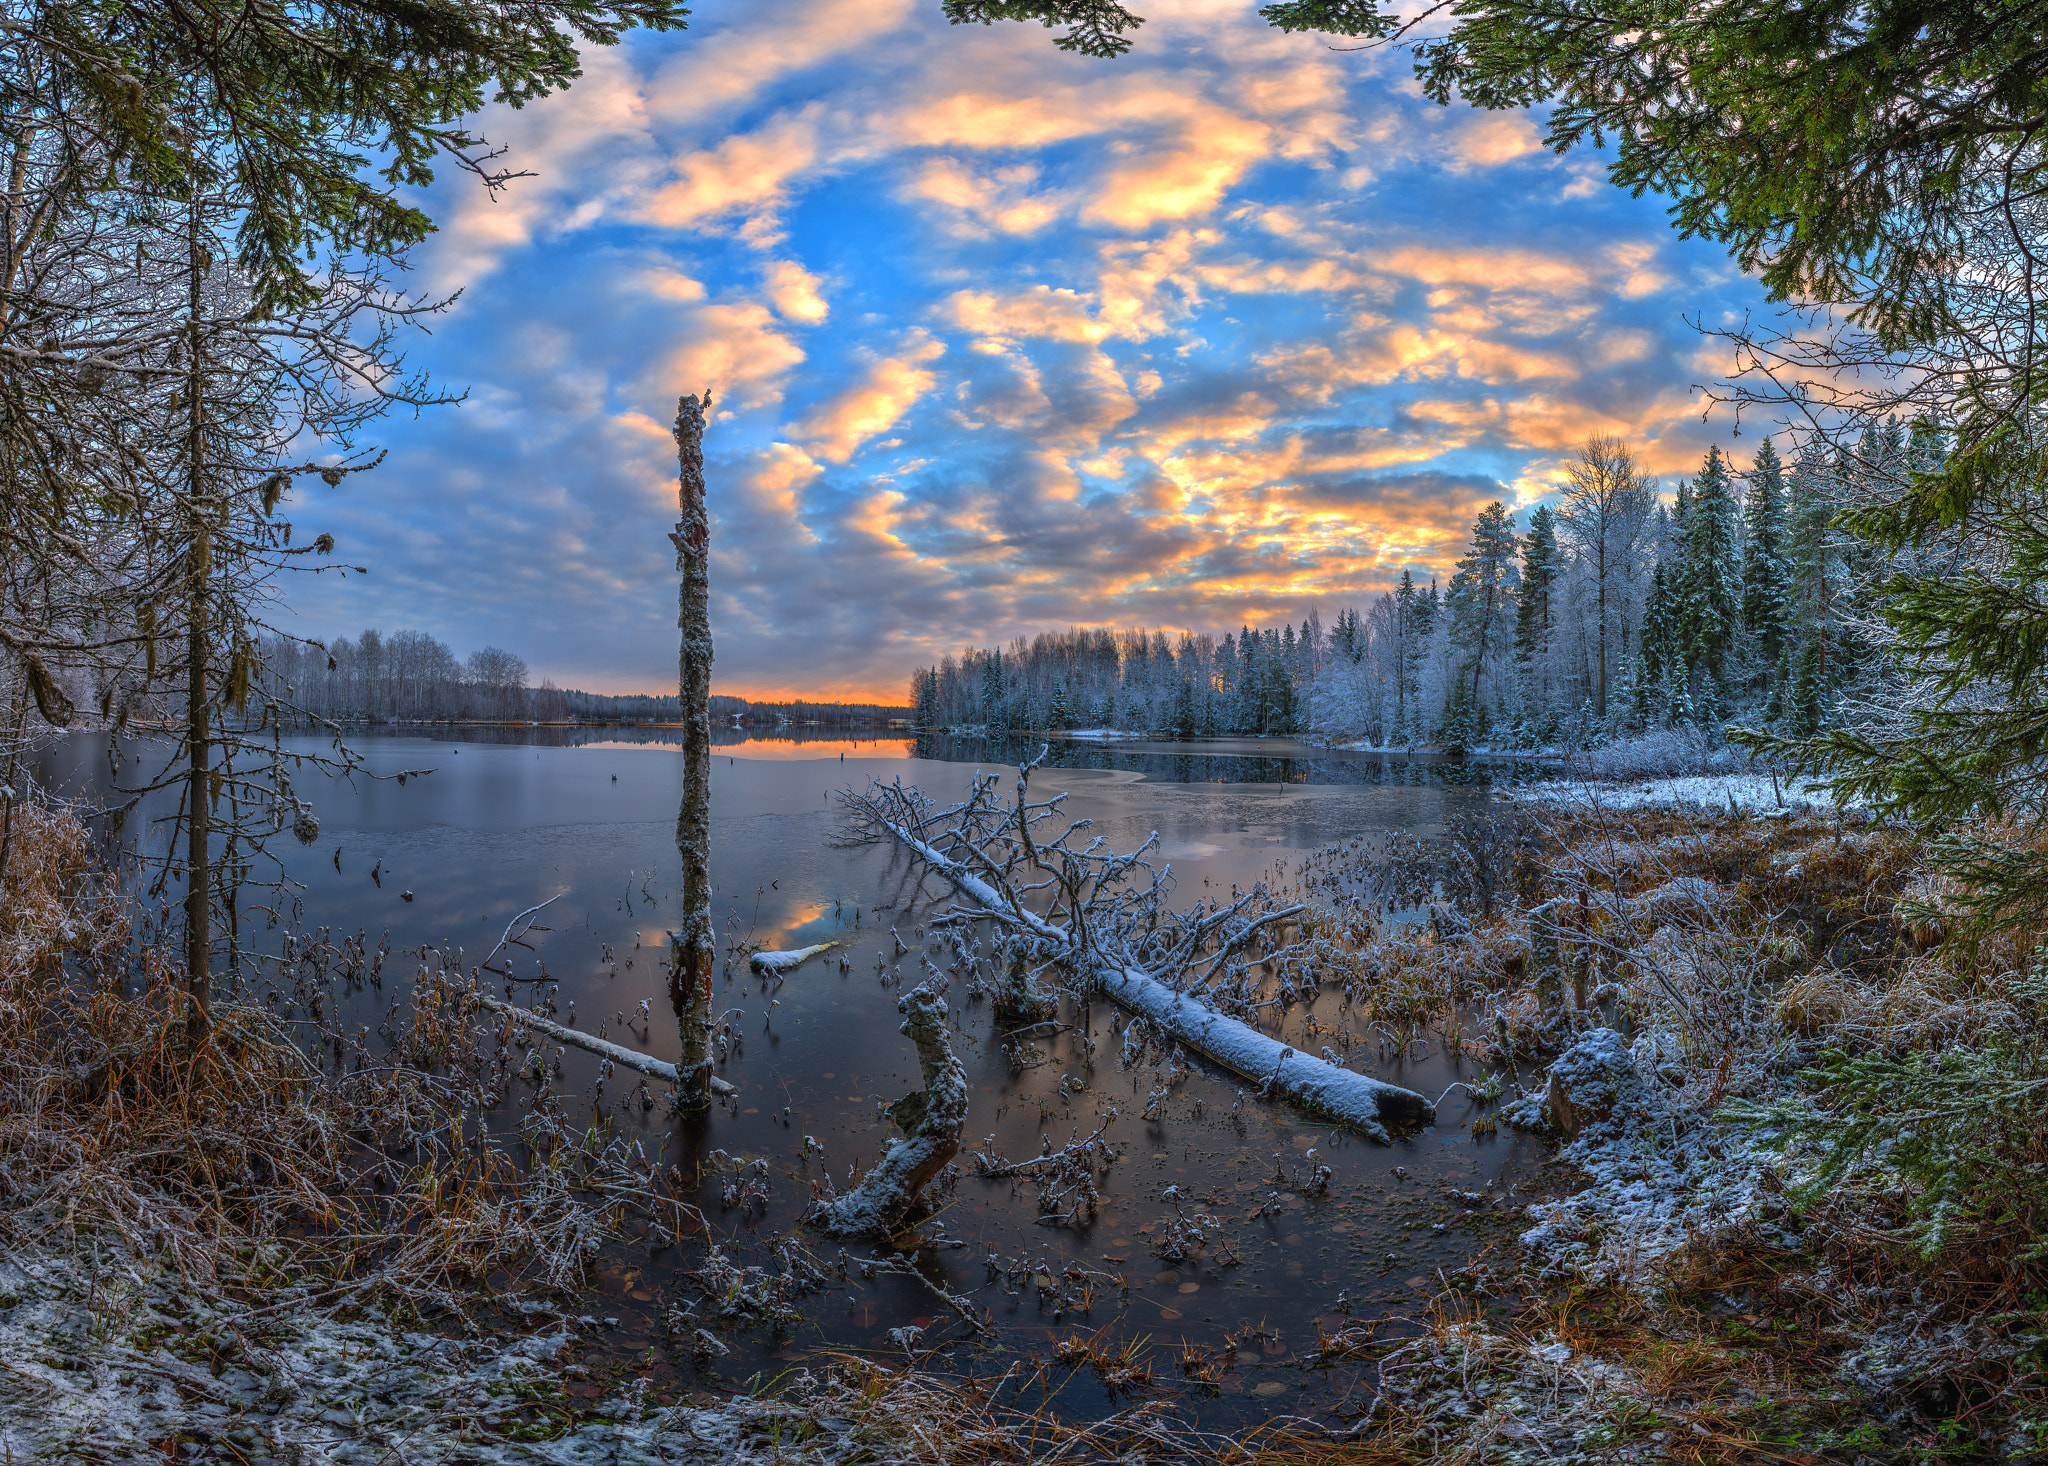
[
  {"x": 987, "y": 849},
  {"x": 931, "y": 1119}
]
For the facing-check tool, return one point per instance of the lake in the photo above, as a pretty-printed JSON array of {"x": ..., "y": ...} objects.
[{"x": 511, "y": 817}]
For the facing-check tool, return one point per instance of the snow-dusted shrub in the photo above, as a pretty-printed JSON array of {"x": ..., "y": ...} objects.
[{"x": 1660, "y": 753}]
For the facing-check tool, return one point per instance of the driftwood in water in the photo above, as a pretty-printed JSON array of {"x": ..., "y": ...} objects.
[
  {"x": 930, "y": 1118},
  {"x": 1097, "y": 922},
  {"x": 770, "y": 963},
  {"x": 619, "y": 1054}
]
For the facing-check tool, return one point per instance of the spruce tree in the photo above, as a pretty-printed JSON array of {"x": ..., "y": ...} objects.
[
  {"x": 1660, "y": 613},
  {"x": 1481, "y": 598},
  {"x": 1542, "y": 568},
  {"x": 1708, "y": 596},
  {"x": 1812, "y": 580},
  {"x": 992, "y": 690},
  {"x": 1764, "y": 589},
  {"x": 1406, "y": 658}
]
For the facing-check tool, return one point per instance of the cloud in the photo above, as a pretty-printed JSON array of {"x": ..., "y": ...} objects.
[
  {"x": 1041, "y": 311},
  {"x": 980, "y": 203},
  {"x": 1187, "y": 178},
  {"x": 598, "y": 129},
  {"x": 1002, "y": 339},
  {"x": 793, "y": 291},
  {"x": 888, "y": 389},
  {"x": 750, "y": 175},
  {"x": 738, "y": 350},
  {"x": 1494, "y": 138}
]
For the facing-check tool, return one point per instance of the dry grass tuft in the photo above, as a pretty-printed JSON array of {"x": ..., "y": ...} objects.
[{"x": 241, "y": 1165}]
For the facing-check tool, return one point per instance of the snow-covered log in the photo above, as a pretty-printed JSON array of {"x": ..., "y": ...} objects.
[
  {"x": 931, "y": 1120},
  {"x": 986, "y": 849},
  {"x": 1282, "y": 1072},
  {"x": 768, "y": 963},
  {"x": 619, "y": 1054}
]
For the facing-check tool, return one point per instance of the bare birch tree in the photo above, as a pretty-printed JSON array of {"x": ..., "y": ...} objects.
[{"x": 1604, "y": 517}]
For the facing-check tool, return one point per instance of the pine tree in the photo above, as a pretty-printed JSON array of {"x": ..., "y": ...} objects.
[{"x": 1061, "y": 714}]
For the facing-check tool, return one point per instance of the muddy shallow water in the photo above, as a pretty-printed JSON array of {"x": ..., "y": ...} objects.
[{"x": 509, "y": 818}]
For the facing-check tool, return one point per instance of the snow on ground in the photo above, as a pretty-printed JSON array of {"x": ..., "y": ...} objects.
[
  {"x": 1750, "y": 793},
  {"x": 1654, "y": 1186},
  {"x": 129, "y": 1369}
]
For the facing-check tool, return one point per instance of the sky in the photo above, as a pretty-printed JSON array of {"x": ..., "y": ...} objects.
[{"x": 1002, "y": 340}]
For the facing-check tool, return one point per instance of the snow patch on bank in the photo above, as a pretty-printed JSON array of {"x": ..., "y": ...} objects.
[
  {"x": 1658, "y": 1180},
  {"x": 1749, "y": 793},
  {"x": 114, "y": 1372}
]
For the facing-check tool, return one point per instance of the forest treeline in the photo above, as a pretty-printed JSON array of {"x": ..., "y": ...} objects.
[
  {"x": 413, "y": 677},
  {"x": 1613, "y": 614}
]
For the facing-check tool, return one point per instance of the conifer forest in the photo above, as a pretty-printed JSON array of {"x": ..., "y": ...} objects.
[
  {"x": 1618, "y": 613},
  {"x": 1293, "y": 734}
]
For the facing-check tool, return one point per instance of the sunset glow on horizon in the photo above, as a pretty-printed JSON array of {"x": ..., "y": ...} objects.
[{"x": 1003, "y": 340}]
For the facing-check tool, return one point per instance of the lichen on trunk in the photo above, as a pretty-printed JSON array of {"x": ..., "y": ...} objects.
[
  {"x": 692, "y": 954},
  {"x": 930, "y": 1118}
]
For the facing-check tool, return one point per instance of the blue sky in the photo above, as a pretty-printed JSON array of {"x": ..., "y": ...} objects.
[{"x": 1003, "y": 340}]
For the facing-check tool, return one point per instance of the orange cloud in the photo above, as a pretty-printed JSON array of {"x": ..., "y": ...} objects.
[
  {"x": 738, "y": 350},
  {"x": 1001, "y": 202},
  {"x": 746, "y": 174},
  {"x": 793, "y": 291},
  {"x": 871, "y": 406}
]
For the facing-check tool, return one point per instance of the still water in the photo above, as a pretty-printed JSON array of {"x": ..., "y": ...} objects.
[{"x": 509, "y": 818}]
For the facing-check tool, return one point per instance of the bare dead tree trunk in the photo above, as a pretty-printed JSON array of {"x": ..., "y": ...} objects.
[
  {"x": 930, "y": 1118},
  {"x": 199, "y": 751},
  {"x": 691, "y": 952}
]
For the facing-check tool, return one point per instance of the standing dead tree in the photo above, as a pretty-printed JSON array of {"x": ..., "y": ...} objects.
[
  {"x": 691, "y": 952},
  {"x": 1102, "y": 919}
]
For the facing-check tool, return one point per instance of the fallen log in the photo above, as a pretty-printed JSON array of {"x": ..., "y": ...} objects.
[
  {"x": 770, "y": 963},
  {"x": 930, "y": 1119},
  {"x": 619, "y": 1054},
  {"x": 1281, "y": 1071}
]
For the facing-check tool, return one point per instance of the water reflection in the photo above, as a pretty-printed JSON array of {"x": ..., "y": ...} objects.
[{"x": 511, "y": 816}]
